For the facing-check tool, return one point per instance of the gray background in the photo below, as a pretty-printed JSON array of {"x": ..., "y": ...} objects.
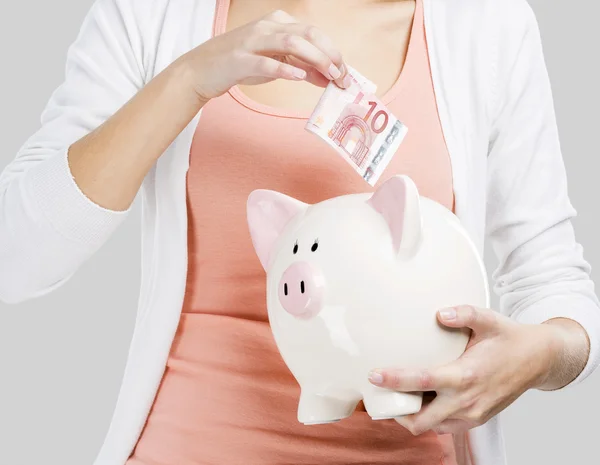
[{"x": 62, "y": 356}]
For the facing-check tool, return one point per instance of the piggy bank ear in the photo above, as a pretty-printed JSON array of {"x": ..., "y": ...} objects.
[
  {"x": 397, "y": 200},
  {"x": 268, "y": 214}
]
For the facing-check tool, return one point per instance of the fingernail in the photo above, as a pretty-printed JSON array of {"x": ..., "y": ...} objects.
[
  {"x": 299, "y": 73},
  {"x": 334, "y": 72},
  {"x": 347, "y": 82},
  {"x": 375, "y": 377},
  {"x": 448, "y": 314}
]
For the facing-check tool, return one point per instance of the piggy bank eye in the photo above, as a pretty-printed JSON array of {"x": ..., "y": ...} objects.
[
  {"x": 295, "y": 248},
  {"x": 315, "y": 246}
]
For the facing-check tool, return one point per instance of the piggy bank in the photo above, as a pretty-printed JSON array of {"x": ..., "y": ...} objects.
[{"x": 354, "y": 283}]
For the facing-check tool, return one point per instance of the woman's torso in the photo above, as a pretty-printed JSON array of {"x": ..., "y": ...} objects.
[{"x": 226, "y": 396}]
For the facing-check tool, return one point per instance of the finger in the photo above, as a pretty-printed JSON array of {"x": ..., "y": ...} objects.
[
  {"x": 451, "y": 426},
  {"x": 280, "y": 21},
  {"x": 404, "y": 421},
  {"x": 283, "y": 43},
  {"x": 450, "y": 376},
  {"x": 274, "y": 69},
  {"x": 312, "y": 75},
  {"x": 468, "y": 316},
  {"x": 428, "y": 417},
  {"x": 322, "y": 41},
  {"x": 280, "y": 16}
]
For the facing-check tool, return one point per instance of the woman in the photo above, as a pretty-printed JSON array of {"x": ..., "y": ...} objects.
[{"x": 195, "y": 104}]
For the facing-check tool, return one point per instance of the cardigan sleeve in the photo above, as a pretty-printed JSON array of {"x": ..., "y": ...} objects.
[
  {"x": 542, "y": 273},
  {"x": 48, "y": 227}
]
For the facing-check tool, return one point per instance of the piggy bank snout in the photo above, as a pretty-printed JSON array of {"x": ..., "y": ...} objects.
[{"x": 301, "y": 290}]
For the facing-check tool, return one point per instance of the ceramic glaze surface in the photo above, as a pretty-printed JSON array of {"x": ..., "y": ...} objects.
[{"x": 354, "y": 283}]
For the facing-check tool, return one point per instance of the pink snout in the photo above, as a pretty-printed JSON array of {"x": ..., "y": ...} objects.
[{"x": 301, "y": 290}]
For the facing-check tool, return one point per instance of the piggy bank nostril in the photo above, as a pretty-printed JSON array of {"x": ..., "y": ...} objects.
[{"x": 300, "y": 290}]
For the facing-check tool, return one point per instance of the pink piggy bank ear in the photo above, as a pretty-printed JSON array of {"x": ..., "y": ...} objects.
[
  {"x": 397, "y": 200},
  {"x": 268, "y": 214}
]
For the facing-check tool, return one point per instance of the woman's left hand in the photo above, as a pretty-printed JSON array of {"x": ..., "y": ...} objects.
[{"x": 503, "y": 359}]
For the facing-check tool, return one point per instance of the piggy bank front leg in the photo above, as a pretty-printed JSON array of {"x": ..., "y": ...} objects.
[
  {"x": 316, "y": 408},
  {"x": 383, "y": 404}
]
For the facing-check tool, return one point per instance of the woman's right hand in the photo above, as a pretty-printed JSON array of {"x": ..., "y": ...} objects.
[{"x": 274, "y": 47}]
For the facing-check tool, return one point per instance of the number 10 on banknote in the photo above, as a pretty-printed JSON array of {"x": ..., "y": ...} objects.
[{"x": 358, "y": 126}]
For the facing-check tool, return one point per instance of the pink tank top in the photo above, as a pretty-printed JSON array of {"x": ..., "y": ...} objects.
[{"x": 227, "y": 397}]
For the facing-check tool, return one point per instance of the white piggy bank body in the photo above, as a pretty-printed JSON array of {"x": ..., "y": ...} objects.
[{"x": 354, "y": 283}]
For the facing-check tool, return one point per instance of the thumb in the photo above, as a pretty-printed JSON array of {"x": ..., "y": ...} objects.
[{"x": 468, "y": 316}]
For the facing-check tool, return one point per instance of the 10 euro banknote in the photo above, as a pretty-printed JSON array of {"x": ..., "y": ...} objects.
[{"x": 358, "y": 126}]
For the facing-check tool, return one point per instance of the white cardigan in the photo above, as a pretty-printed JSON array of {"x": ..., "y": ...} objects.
[{"x": 495, "y": 104}]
